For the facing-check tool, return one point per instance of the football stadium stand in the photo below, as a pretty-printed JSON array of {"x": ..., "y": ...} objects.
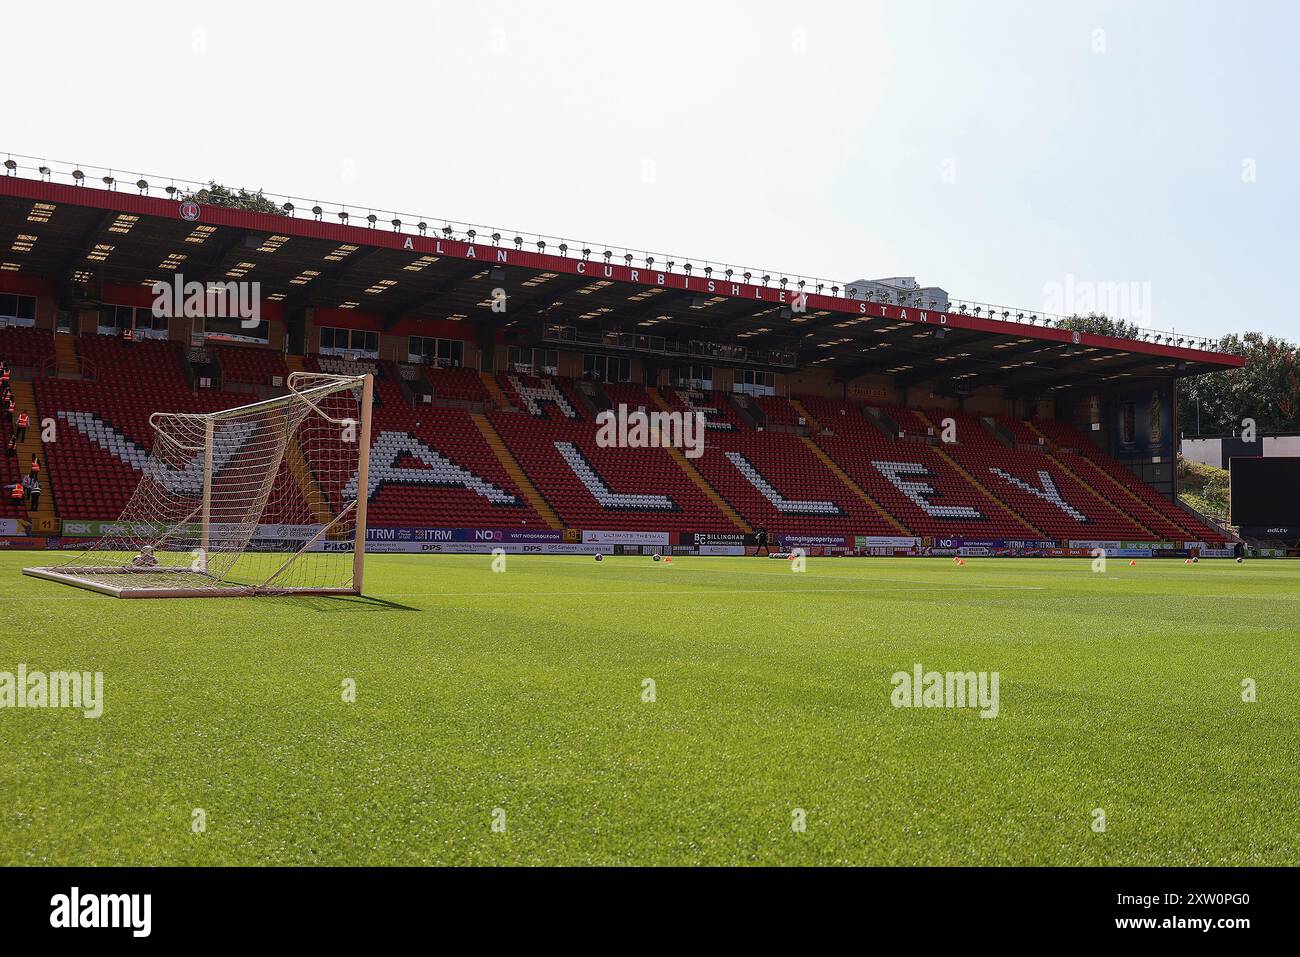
[
  {"x": 434, "y": 465},
  {"x": 903, "y": 449}
]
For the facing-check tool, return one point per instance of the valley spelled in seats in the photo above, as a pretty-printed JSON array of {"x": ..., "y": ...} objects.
[{"x": 435, "y": 465}]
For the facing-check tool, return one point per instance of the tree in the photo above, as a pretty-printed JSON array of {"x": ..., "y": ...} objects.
[
  {"x": 1100, "y": 325},
  {"x": 1266, "y": 389},
  {"x": 217, "y": 195}
]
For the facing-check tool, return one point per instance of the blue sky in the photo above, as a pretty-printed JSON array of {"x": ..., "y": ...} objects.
[{"x": 993, "y": 148}]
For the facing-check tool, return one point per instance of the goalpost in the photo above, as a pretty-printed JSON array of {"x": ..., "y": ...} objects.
[{"x": 264, "y": 499}]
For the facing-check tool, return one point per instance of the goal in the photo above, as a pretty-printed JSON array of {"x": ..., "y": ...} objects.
[{"x": 264, "y": 499}]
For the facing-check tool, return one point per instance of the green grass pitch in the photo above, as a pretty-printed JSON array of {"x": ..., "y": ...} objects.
[{"x": 522, "y": 691}]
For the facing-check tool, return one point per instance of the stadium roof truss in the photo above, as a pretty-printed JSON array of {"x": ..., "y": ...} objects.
[{"x": 53, "y": 233}]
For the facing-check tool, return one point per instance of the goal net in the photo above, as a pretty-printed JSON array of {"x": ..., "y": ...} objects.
[{"x": 263, "y": 499}]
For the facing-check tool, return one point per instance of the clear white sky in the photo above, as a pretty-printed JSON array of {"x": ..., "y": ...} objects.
[{"x": 990, "y": 147}]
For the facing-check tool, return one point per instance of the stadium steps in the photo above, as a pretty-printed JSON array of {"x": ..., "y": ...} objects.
[
  {"x": 306, "y": 482},
  {"x": 807, "y": 416},
  {"x": 1048, "y": 444},
  {"x": 509, "y": 463},
  {"x": 66, "y": 361},
  {"x": 857, "y": 489},
  {"x": 494, "y": 390},
  {"x": 295, "y": 364},
  {"x": 1091, "y": 489},
  {"x": 983, "y": 490},
  {"x": 44, "y": 519},
  {"x": 658, "y": 399}
]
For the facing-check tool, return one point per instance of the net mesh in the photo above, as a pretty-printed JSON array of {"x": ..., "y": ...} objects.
[{"x": 259, "y": 499}]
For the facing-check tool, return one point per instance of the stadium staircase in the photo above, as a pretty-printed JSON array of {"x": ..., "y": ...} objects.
[
  {"x": 494, "y": 390},
  {"x": 508, "y": 462},
  {"x": 657, "y": 398},
  {"x": 316, "y": 500},
  {"x": 813, "y": 425},
  {"x": 44, "y": 519},
  {"x": 67, "y": 364}
]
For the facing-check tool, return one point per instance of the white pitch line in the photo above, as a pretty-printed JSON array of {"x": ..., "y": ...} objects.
[{"x": 690, "y": 591}]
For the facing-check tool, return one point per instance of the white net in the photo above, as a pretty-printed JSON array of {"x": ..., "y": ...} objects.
[{"x": 260, "y": 499}]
